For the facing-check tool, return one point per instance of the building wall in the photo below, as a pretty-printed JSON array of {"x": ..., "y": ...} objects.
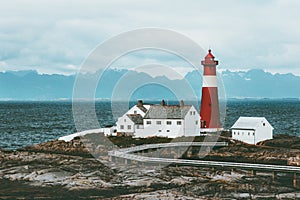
[
  {"x": 108, "y": 131},
  {"x": 138, "y": 126},
  {"x": 166, "y": 128},
  {"x": 247, "y": 136},
  {"x": 263, "y": 132},
  {"x": 125, "y": 122},
  {"x": 192, "y": 123}
]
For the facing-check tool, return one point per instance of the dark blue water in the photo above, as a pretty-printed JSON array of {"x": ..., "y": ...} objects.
[{"x": 27, "y": 123}]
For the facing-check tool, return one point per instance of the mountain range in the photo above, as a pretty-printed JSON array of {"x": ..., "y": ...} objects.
[{"x": 256, "y": 83}]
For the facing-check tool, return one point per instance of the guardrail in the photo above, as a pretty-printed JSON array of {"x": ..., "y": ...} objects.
[
  {"x": 126, "y": 154},
  {"x": 171, "y": 144}
]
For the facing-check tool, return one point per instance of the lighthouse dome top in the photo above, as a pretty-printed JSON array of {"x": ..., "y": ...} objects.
[
  {"x": 209, "y": 55},
  {"x": 209, "y": 60}
]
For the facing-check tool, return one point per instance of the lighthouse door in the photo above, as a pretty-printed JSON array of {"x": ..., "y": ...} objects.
[{"x": 203, "y": 124}]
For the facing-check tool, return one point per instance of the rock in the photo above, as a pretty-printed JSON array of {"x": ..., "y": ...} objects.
[
  {"x": 179, "y": 181},
  {"x": 294, "y": 160},
  {"x": 68, "y": 168}
]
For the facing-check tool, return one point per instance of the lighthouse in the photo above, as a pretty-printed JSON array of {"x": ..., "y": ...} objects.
[{"x": 209, "y": 111}]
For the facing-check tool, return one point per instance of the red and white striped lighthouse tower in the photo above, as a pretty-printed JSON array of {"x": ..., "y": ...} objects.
[{"x": 209, "y": 112}]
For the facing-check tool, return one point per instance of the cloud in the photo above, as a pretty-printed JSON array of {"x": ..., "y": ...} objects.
[{"x": 49, "y": 35}]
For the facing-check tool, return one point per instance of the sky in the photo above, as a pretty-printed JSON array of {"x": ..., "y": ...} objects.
[{"x": 57, "y": 36}]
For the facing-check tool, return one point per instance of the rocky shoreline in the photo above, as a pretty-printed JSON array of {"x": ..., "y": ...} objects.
[{"x": 67, "y": 170}]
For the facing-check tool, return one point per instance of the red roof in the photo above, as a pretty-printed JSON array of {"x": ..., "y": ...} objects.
[{"x": 209, "y": 55}]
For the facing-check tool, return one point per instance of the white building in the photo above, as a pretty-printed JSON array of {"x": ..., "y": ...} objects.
[
  {"x": 132, "y": 119},
  {"x": 160, "y": 120},
  {"x": 252, "y": 130},
  {"x": 129, "y": 123}
]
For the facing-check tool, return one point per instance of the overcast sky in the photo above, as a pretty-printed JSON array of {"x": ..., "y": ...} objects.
[{"x": 56, "y": 36}]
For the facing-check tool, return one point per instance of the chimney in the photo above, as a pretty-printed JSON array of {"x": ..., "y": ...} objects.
[
  {"x": 140, "y": 103},
  {"x": 181, "y": 103},
  {"x": 163, "y": 103}
]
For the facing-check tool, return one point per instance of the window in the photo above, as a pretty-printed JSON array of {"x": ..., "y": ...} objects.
[
  {"x": 129, "y": 127},
  {"x": 248, "y": 133},
  {"x": 238, "y": 133},
  {"x": 196, "y": 122},
  {"x": 194, "y": 112},
  {"x": 233, "y": 132},
  {"x": 159, "y": 130},
  {"x": 148, "y": 122},
  {"x": 253, "y": 133},
  {"x": 169, "y": 122},
  {"x": 178, "y": 122},
  {"x": 168, "y": 130},
  {"x": 158, "y": 122},
  {"x": 135, "y": 112},
  {"x": 191, "y": 112},
  {"x": 264, "y": 124},
  {"x": 124, "y": 120},
  {"x": 122, "y": 127}
]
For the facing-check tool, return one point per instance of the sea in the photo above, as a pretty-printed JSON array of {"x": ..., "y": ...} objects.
[{"x": 32, "y": 122}]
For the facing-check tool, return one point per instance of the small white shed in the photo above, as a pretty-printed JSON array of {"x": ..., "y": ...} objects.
[{"x": 252, "y": 130}]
